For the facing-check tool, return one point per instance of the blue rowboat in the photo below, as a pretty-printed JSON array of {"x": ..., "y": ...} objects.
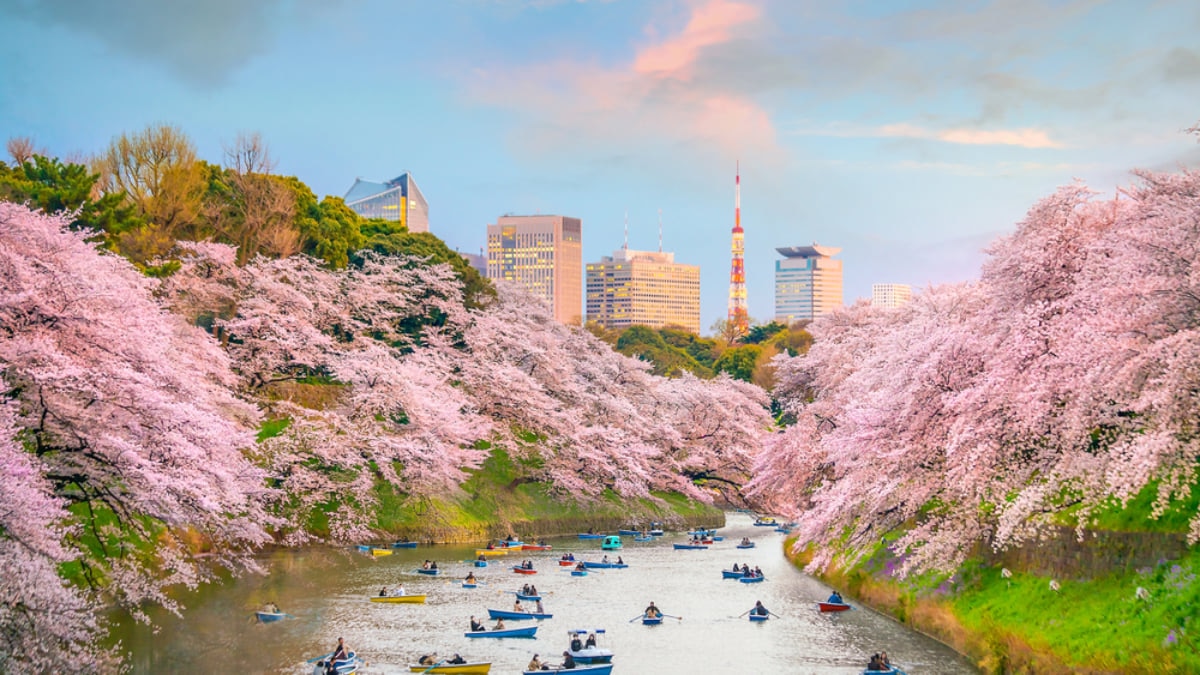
[
  {"x": 727, "y": 574},
  {"x": 766, "y": 522},
  {"x": 341, "y": 666},
  {"x": 752, "y": 580},
  {"x": 270, "y": 617},
  {"x": 579, "y": 573},
  {"x": 517, "y": 616},
  {"x": 404, "y": 544},
  {"x": 890, "y": 671},
  {"x": 363, "y": 547},
  {"x": 595, "y": 669},
  {"x": 759, "y": 617},
  {"x": 589, "y": 535},
  {"x": 657, "y": 533},
  {"x": 629, "y": 533},
  {"x": 689, "y": 547},
  {"x": 611, "y": 543},
  {"x": 750, "y": 545},
  {"x": 432, "y": 573},
  {"x": 651, "y": 620},
  {"x": 645, "y": 538},
  {"x": 480, "y": 563},
  {"x": 717, "y": 537},
  {"x": 524, "y": 632},
  {"x": 522, "y": 596},
  {"x": 604, "y": 565},
  {"x": 469, "y": 585}
]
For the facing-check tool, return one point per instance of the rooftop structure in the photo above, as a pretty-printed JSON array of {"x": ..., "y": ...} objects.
[
  {"x": 808, "y": 282},
  {"x": 398, "y": 200}
]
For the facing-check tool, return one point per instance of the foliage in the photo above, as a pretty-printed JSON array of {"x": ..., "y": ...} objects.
[
  {"x": 649, "y": 345},
  {"x": 126, "y": 411},
  {"x": 48, "y": 184},
  {"x": 739, "y": 361},
  {"x": 1062, "y": 379},
  {"x": 390, "y": 238}
]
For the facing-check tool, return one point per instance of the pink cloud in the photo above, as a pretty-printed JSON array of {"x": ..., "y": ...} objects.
[
  {"x": 711, "y": 23},
  {"x": 1023, "y": 137}
]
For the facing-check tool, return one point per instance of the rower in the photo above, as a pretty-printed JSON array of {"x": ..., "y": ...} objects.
[
  {"x": 652, "y": 611},
  {"x": 477, "y": 626},
  {"x": 835, "y": 598},
  {"x": 760, "y": 610}
]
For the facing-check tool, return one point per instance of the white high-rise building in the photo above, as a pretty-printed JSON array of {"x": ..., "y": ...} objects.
[
  {"x": 890, "y": 295},
  {"x": 643, "y": 288},
  {"x": 808, "y": 283}
]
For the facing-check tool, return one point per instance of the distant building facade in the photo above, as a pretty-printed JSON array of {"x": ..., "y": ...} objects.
[
  {"x": 643, "y": 288},
  {"x": 890, "y": 295},
  {"x": 478, "y": 261},
  {"x": 398, "y": 199},
  {"x": 545, "y": 255},
  {"x": 808, "y": 283}
]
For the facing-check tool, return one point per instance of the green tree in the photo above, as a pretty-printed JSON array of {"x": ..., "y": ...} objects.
[
  {"x": 157, "y": 171},
  {"x": 760, "y": 333},
  {"x": 390, "y": 238},
  {"x": 739, "y": 361},
  {"x": 48, "y": 184}
]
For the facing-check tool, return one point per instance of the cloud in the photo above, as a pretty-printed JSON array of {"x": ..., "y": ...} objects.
[
  {"x": 1181, "y": 65},
  {"x": 653, "y": 98},
  {"x": 202, "y": 42},
  {"x": 1025, "y": 138}
]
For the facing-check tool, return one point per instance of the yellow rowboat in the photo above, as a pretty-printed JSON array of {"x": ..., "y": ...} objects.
[
  {"x": 411, "y": 599},
  {"x": 381, "y": 551},
  {"x": 493, "y": 551},
  {"x": 478, "y": 668}
]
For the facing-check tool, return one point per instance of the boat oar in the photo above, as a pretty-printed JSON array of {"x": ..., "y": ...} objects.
[
  {"x": 433, "y": 666},
  {"x": 318, "y": 658},
  {"x": 745, "y": 613},
  {"x": 639, "y": 616},
  {"x": 672, "y": 616},
  {"x": 774, "y": 614}
]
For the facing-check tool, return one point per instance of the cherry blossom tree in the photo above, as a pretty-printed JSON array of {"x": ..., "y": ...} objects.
[{"x": 133, "y": 442}]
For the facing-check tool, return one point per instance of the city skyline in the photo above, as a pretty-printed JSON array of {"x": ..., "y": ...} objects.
[{"x": 912, "y": 135}]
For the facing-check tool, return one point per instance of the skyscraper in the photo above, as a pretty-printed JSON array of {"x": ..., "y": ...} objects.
[
  {"x": 890, "y": 295},
  {"x": 808, "y": 282},
  {"x": 398, "y": 199},
  {"x": 643, "y": 288},
  {"x": 739, "y": 315},
  {"x": 545, "y": 255}
]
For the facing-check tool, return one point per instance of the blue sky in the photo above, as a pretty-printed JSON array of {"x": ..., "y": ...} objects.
[{"x": 910, "y": 134}]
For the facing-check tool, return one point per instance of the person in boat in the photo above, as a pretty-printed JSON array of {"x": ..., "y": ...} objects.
[
  {"x": 736, "y": 568},
  {"x": 482, "y": 557},
  {"x": 835, "y": 598},
  {"x": 591, "y": 641},
  {"x": 525, "y": 590},
  {"x": 425, "y": 565},
  {"x": 428, "y": 659},
  {"x": 433, "y": 564},
  {"x": 757, "y": 571},
  {"x": 456, "y": 661},
  {"x": 400, "y": 592},
  {"x": 883, "y": 658},
  {"x": 876, "y": 664},
  {"x": 745, "y": 541},
  {"x": 499, "y": 625},
  {"x": 470, "y": 578},
  {"x": 759, "y": 609},
  {"x": 534, "y": 663},
  {"x": 540, "y": 609},
  {"x": 383, "y": 592},
  {"x": 528, "y": 564},
  {"x": 491, "y": 546},
  {"x": 568, "y": 661},
  {"x": 341, "y": 652},
  {"x": 517, "y": 607},
  {"x": 272, "y": 608},
  {"x": 619, "y": 561},
  {"x": 576, "y": 644},
  {"x": 652, "y": 611},
  {"x": 477, "y": 626},
  {"x": 532, "y": 589},
  {"x": 580, "y": 567}
]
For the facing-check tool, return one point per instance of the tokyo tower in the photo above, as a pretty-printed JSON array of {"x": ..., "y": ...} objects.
[{"x": 739, "y": 317}]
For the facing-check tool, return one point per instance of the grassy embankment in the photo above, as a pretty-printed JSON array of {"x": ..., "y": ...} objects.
[{"x": 1020, "y": 625}]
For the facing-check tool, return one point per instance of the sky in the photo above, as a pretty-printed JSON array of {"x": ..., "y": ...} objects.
[{"x": 909, "y": 134}]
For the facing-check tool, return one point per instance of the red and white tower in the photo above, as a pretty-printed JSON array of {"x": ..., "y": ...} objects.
[{"x": 739, "y": 317}]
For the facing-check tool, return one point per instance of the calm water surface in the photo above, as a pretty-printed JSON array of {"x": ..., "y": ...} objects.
[{"x": 327, "y": 591}]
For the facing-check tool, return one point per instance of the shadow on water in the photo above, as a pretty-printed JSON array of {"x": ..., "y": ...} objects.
[{"x": 327, "y": 591}]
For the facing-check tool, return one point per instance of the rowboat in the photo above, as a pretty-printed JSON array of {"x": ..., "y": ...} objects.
[
  {"x": 522, "y": 596},
  {"x": 523, "y": 632},
  {"x": 566, "y": 563},
  {"x": 689, "y": 547},
  {"x": 651, "y": 620},
  {"x": 404, "y": 544},
  {"x": 589, "y": 535},
  {"x": 595, "y": 669},
  {"x": 645, "y": 538},
  {"x": 536, "y": 547},
  {"x": 752, "y": 580},
  {"x": 727, "y": 574},
  {"x": 270, "y": 617},
  {"x": 510, "y": 543},
  {"x": 629, "y": 533},
  {"x": 456, "y": 668},
  {"x": 400, "y": 599},
  {"x": 833, "y": 606},
  {"x": 717, "y": 537},
  {"x": 364, "y": 548},
  {"x": 579, "y": 573},
  {"x": 604, "y": 565},
  {"x": 469, "y": 585},
  {"x": 517, "y": 616},
  {"x": 759, "y": 617},
  {"x": 523, "y": 570},
  {"x": 491, "y": 551},
  {"x": 611, "y": 543},
  {"x": 341, "y": 666},
  {"x": 701, "y": 533},
  {"x": 381, "y": 551},
  {"x": 894, "y": 670},
  {"x": 657, "y": 533},
  {"x": 765, "y": 522},
  {"x": 746, "y": 545},
  {"x": 480, "y": 563},
  {"x": 433, "y": 572}
]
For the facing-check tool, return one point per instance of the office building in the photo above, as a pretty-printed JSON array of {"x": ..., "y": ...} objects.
[
  {"x": 808, "y": 282},
  {"x": 398, "y": 199},
  {"x": 890, "y": 295},
  {"x": 545, "y": 255},
  {"x": 643, "y": 288}
]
